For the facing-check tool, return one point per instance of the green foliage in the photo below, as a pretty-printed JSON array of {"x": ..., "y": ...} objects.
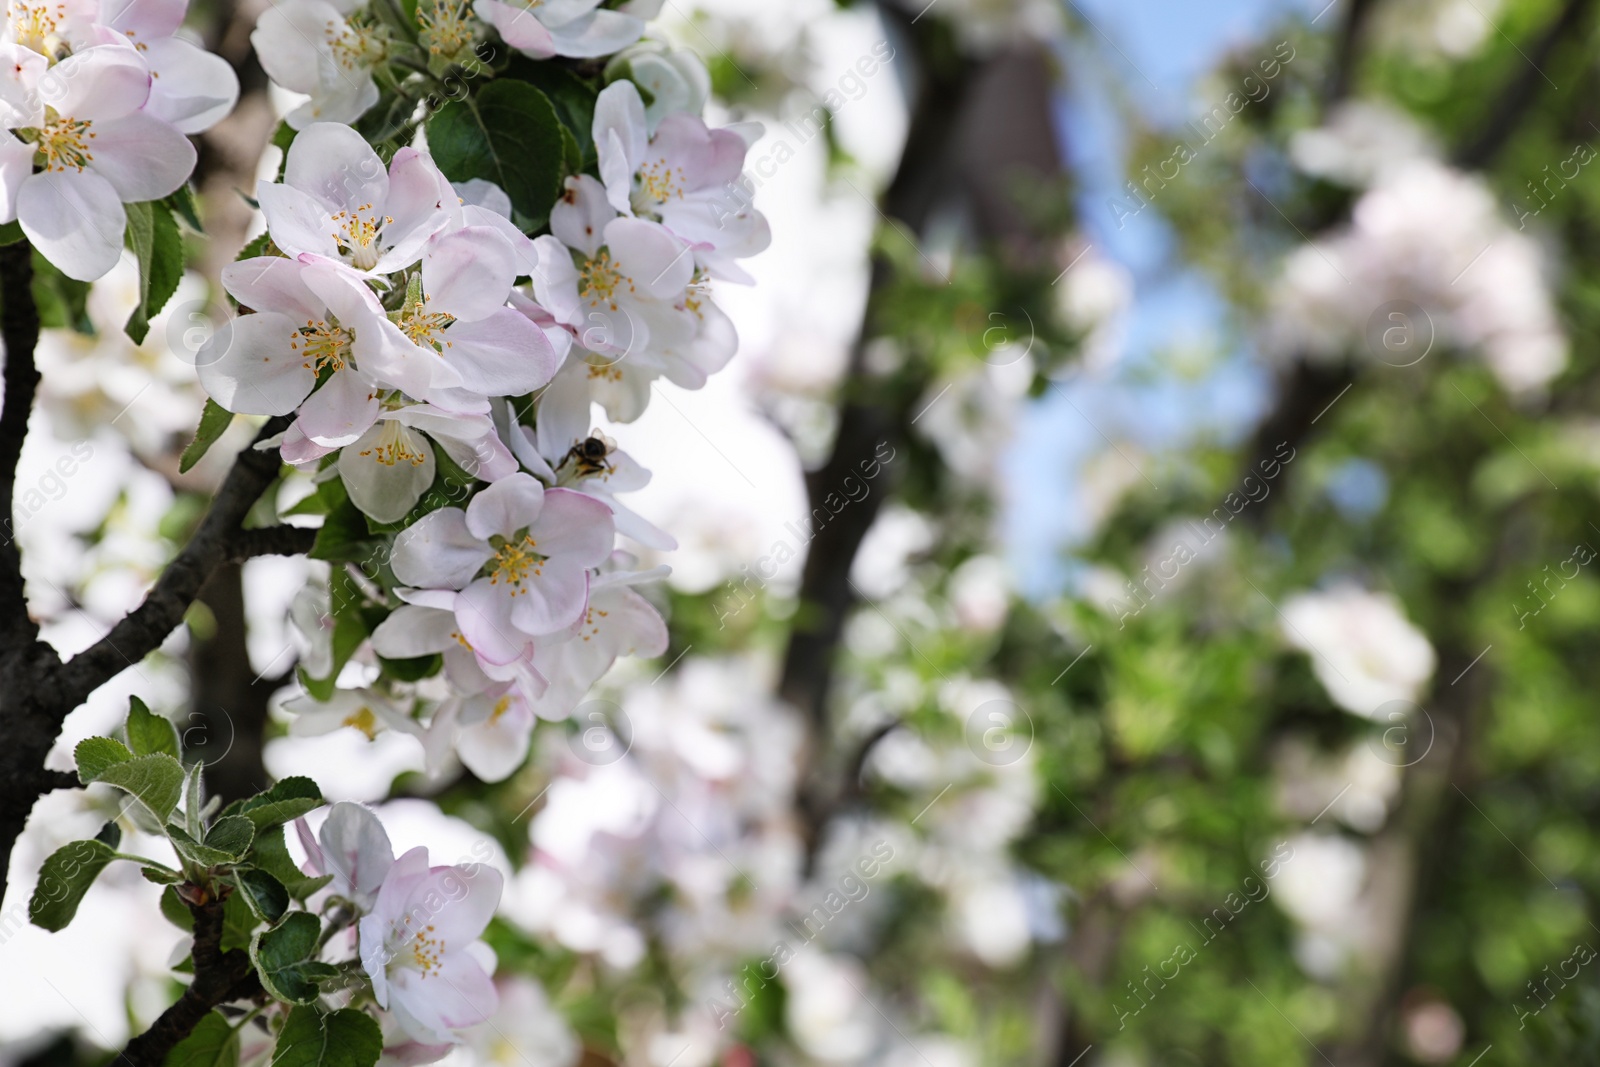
[
  {"x": 284, "y": 956},
  {"x": 214, "y": 422},
  {"x": 149, "y": 733},
  {"x": 66, "y": 876},
  {"x": 153, "y": 237},
  {"x": 287, "y": 799},
  {"x": 508, "y": 134},
  {"x": 343, "y": 1038},
  {"x": 212, "y": 1043}
]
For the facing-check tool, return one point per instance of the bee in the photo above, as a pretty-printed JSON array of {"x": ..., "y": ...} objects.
[{"x": 589, "y": 456}]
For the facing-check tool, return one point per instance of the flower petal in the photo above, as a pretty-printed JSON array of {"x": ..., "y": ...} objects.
[
  {"x": 142, "y": 157},
  {"x": 574, "y": 527},
  {"x": 438, "y": 551},
  {"x": 248, "y": 367},
  {"x": 340, "y": 411},
  {"x": 336, "y": 165},
  {"x": 75, "y": 218},
  {"x": 509, "y": 505},
  {"x": 387, "y": 470}
]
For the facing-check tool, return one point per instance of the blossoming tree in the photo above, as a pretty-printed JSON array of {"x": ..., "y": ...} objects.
[{"x": 431, "y": 366}]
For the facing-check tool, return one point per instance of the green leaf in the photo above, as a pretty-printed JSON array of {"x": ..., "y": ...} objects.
[
  {"x": 284, "y": 957},
  {"x": 267, "y": 897},
  {"x": 149, "y": 732},
  {"x": 175, "y": 910},
  {"x": 153, "y": 238},
  {"x": 509, "y": 134},
  {"x": 573, "y": 97},
  {"x": 258, "y": 246},
  {"x": 286, "y": 800},
  {"x": 232, "y": 835},
  {"x": 343, "y": 1038},
  {"x": 11, "y": 233},
  {"x": 159, "y": 876},
  {"x": 182, "y": 204},
  {"x": 63, "y": 880},
  {"x": 214, "y": 422},
  {"x": 271, "y": 854},
  {"x": 571, "y": 154},
  {"x": 95, "y": 754},
  {"x": 156, "y": 780},
  {"x": 111, "y": 834},
  {"x": 213, "y": 1043},
  {"x": 226, "y": 843}
]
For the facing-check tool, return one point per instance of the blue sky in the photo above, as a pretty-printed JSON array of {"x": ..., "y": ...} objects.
[{"x": 1152, "y": 53}]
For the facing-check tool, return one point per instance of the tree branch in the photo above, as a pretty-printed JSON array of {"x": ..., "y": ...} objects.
[
  {"x": 1513, "y": 101},
  {"x": 218, "y": 540},
  {"x": 218, "y": 978},
  {"x": 19, "y": 332}
]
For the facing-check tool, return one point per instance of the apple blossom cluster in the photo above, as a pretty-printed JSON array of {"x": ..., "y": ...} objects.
[
  {"x": 98, "y": 97},
  {"x": 336, "y": 54},
  {"x": 1429, "y": 240},
  {"x": 353, "y": 925},
  {"x": 440, "y": 368}
]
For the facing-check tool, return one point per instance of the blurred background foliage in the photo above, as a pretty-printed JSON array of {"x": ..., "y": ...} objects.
[{"x": 1147, "y": 834}]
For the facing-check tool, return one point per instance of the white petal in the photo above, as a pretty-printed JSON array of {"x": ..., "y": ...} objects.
[
  {"x": 340, "y": 411},
  {"x": 507, "y": 506},
  {"x": 337, "y": 166},
  {"x": 101, "y": 83},
  {"x": 247, "y": 366},
  {"x": 387, "y": 470},
  {"x": 468, "y": 273},
  {"x": 75, "y": 219},
  {"x": 439, "y": 552},
  {"x": 192, "y": 89},
  {"x": 142, "y": 157}
]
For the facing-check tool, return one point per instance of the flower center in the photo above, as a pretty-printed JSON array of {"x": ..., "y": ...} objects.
[
  {"x": 363, "y": 719},
  {"x": 357, "y": 232},
  {"x": 64, "y": 144},
  {"x": 33, "y": 25},
  {"x": 447, "y": 27},
  {"x": 599, "y": 281},
  {"x": 512, "y": 562},
  {"x": 321, "y": 346},
  {"x": 353, "y": 45},
  {"x": 396, "y": 445},
  {"x": 427, "y": 951},
  {"x": 424, "y": 327},
  {"x": 501, "y": 706},
  {"x": 656, "y": 184}
]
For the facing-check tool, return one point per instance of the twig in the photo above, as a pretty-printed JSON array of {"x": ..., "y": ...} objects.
[
  {"x": 19, "y": 332},
  {"x": 218, "y": 978},
  {"x": 218, "y": 540}
]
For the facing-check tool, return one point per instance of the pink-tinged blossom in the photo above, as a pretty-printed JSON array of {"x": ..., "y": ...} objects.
[
  {"x": 417, "y": 946},
  {"x": 81, "y": 123},
  {"x": 314, "y": 47},
  {"x": 424, "y": 624},
  {"x": 684, "y": 176},
  {"x": 353, "y": 847},
  {"x": 574, "y": 28},
  {"x": 557, "y": 450},
  {"x": 337, "y": 201},
  {"x": 488, "y": 731},
  {"x": 388, "y": 468},
  {"x": 614, "y": 281},
  {"x": 190, "y": 88},
  {"x": 312, "y": 319},
  {"x": 618, "y": 622},
  {"x": 460, "y": 317},
  {"x": 518, "y": 556}
]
